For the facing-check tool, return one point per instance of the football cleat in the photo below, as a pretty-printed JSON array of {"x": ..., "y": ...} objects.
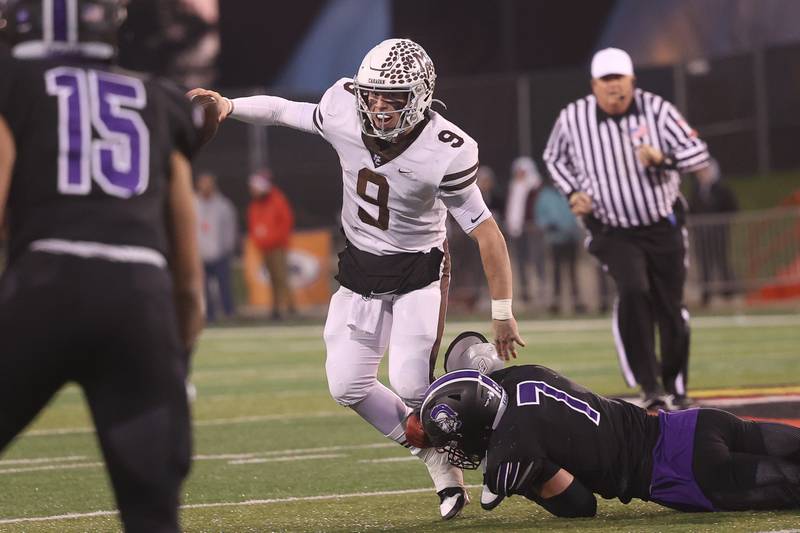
[
  {"x": 452, "y": 501},
  {"x": 653, "y": 403},
  {"x": 489, "y": 500},
  {"x": 448, "y": 481},
  {"x": 681, "y": 402}
]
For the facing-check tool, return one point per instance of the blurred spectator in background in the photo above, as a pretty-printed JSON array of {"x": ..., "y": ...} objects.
[
  {"x": 271, "y": 220},
  {"x": 562, "y": 235},
  {"x": 466, "y": 274},
  {"x": 526, "y": 239},
  {"x": 466, "y": 282},
  {"x": 487, "y": 183},
  {"x": 710, "y": 195},
  {"x": 217, "y": 231}
]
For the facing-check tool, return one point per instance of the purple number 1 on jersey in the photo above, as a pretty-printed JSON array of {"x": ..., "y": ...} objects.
[
  {"x": 119, "y": 160},
  {"x": 528, "y": 393}
]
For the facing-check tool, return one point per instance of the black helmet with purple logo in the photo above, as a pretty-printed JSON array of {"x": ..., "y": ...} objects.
[{"x": 459, "y": 412}]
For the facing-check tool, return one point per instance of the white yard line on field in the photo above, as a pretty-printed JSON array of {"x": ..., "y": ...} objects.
[
  {"x": 285, "y": 458},
  {"x": 200, "y": 423},
  {"x": 49, "y": 467},
  {"x": 296, "y": 454},
  {"x": 389, "y": 459},
  {"x": 266, "y": 418},
  {"x": 295, "y": 451},
  {"x": 233, "y": 504},
  {"x": 39, "y": 460},
  {"x": 67, "y": 516},
  {"x": 584, "y": 324}
]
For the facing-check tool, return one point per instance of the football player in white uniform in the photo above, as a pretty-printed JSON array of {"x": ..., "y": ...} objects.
[{"x": 404, "y": 167}]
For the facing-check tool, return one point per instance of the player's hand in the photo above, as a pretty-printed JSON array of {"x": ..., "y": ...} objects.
[
  {"x": 650, "y": 156},
  {"x": 580, "y": 203},
  {"x": 223, "y": 106},
  {"x": 505, "y": 336}
]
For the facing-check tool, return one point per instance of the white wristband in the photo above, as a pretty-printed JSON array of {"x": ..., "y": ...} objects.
[
  {"x": 230, "y": 106},
  {"x": 501, "y": 309}
]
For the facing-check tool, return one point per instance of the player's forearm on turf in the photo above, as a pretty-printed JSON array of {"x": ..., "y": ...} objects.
[
  {"x": 8, "y": 154},
  {"x": 274, "y": 111},
  {"x": 564, "y": 496},
  {"x": 494, "y": 256},
  {"x": 185, "y": 263}
]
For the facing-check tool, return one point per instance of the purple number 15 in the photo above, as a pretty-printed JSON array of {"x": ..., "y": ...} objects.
[{"x": 119, "y": 160}]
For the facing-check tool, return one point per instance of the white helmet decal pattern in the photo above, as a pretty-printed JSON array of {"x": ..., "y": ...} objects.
[{"x": 406, "y": 63}]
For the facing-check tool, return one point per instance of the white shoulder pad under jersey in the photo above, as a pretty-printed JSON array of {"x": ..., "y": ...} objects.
[{"x": 393, "y": 199}]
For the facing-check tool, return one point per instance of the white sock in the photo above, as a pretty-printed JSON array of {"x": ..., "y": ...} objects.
[{"x": 442, "y": 473}]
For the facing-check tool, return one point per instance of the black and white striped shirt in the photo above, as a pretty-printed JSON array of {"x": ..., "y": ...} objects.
[{"x": 593, "y": 152}]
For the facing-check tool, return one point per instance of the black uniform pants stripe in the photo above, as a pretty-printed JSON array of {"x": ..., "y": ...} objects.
[
  {"x": 444, "y": 286},
  {"x": 648, "y": 267}
]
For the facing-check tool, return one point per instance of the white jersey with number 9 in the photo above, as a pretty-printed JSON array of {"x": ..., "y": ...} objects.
[{"x": 398, "y": 202}]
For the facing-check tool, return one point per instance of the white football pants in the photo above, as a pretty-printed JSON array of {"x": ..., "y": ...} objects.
[{"x": 410, "y": 325}]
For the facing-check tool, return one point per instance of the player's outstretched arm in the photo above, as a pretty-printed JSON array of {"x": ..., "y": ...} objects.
[
  {"x": 497, "y": 266},
  {"x": 8, "y": 154},
  {"x": 185, "y": 262},
  {"x": 564, "y": 496},
  {"x": 261, "y": 110}
]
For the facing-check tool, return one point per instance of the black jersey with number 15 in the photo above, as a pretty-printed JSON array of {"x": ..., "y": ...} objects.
[{"x": 93, "y": 152}]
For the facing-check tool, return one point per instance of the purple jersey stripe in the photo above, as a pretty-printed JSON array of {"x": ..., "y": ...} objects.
[
  {"x": 453, "y": 376},
  {"x": 60, "y": 20}
]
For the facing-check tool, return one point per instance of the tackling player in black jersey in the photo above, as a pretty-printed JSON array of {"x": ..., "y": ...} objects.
[
  {"x": 547, "y": 438},
  {"x": 103, "y": 283}
]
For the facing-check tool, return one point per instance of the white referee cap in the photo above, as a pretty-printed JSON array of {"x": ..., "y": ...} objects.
[{"x": 611, "y": 61}]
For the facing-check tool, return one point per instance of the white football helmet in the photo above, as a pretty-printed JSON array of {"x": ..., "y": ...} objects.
[
  {"x": 395, "y": 66},
  {"x": 472, "y": 351}
]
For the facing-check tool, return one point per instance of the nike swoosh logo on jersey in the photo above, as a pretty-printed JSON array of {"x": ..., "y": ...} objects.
[
  {"x": 477, "y": 217},
  {"x": 404, "y": 171}
]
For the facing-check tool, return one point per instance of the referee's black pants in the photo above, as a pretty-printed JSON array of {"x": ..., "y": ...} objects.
[{"x": 648, "y": 266}]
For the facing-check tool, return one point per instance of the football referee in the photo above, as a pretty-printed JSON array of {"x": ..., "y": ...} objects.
[{"x": 617, "y": 154}]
